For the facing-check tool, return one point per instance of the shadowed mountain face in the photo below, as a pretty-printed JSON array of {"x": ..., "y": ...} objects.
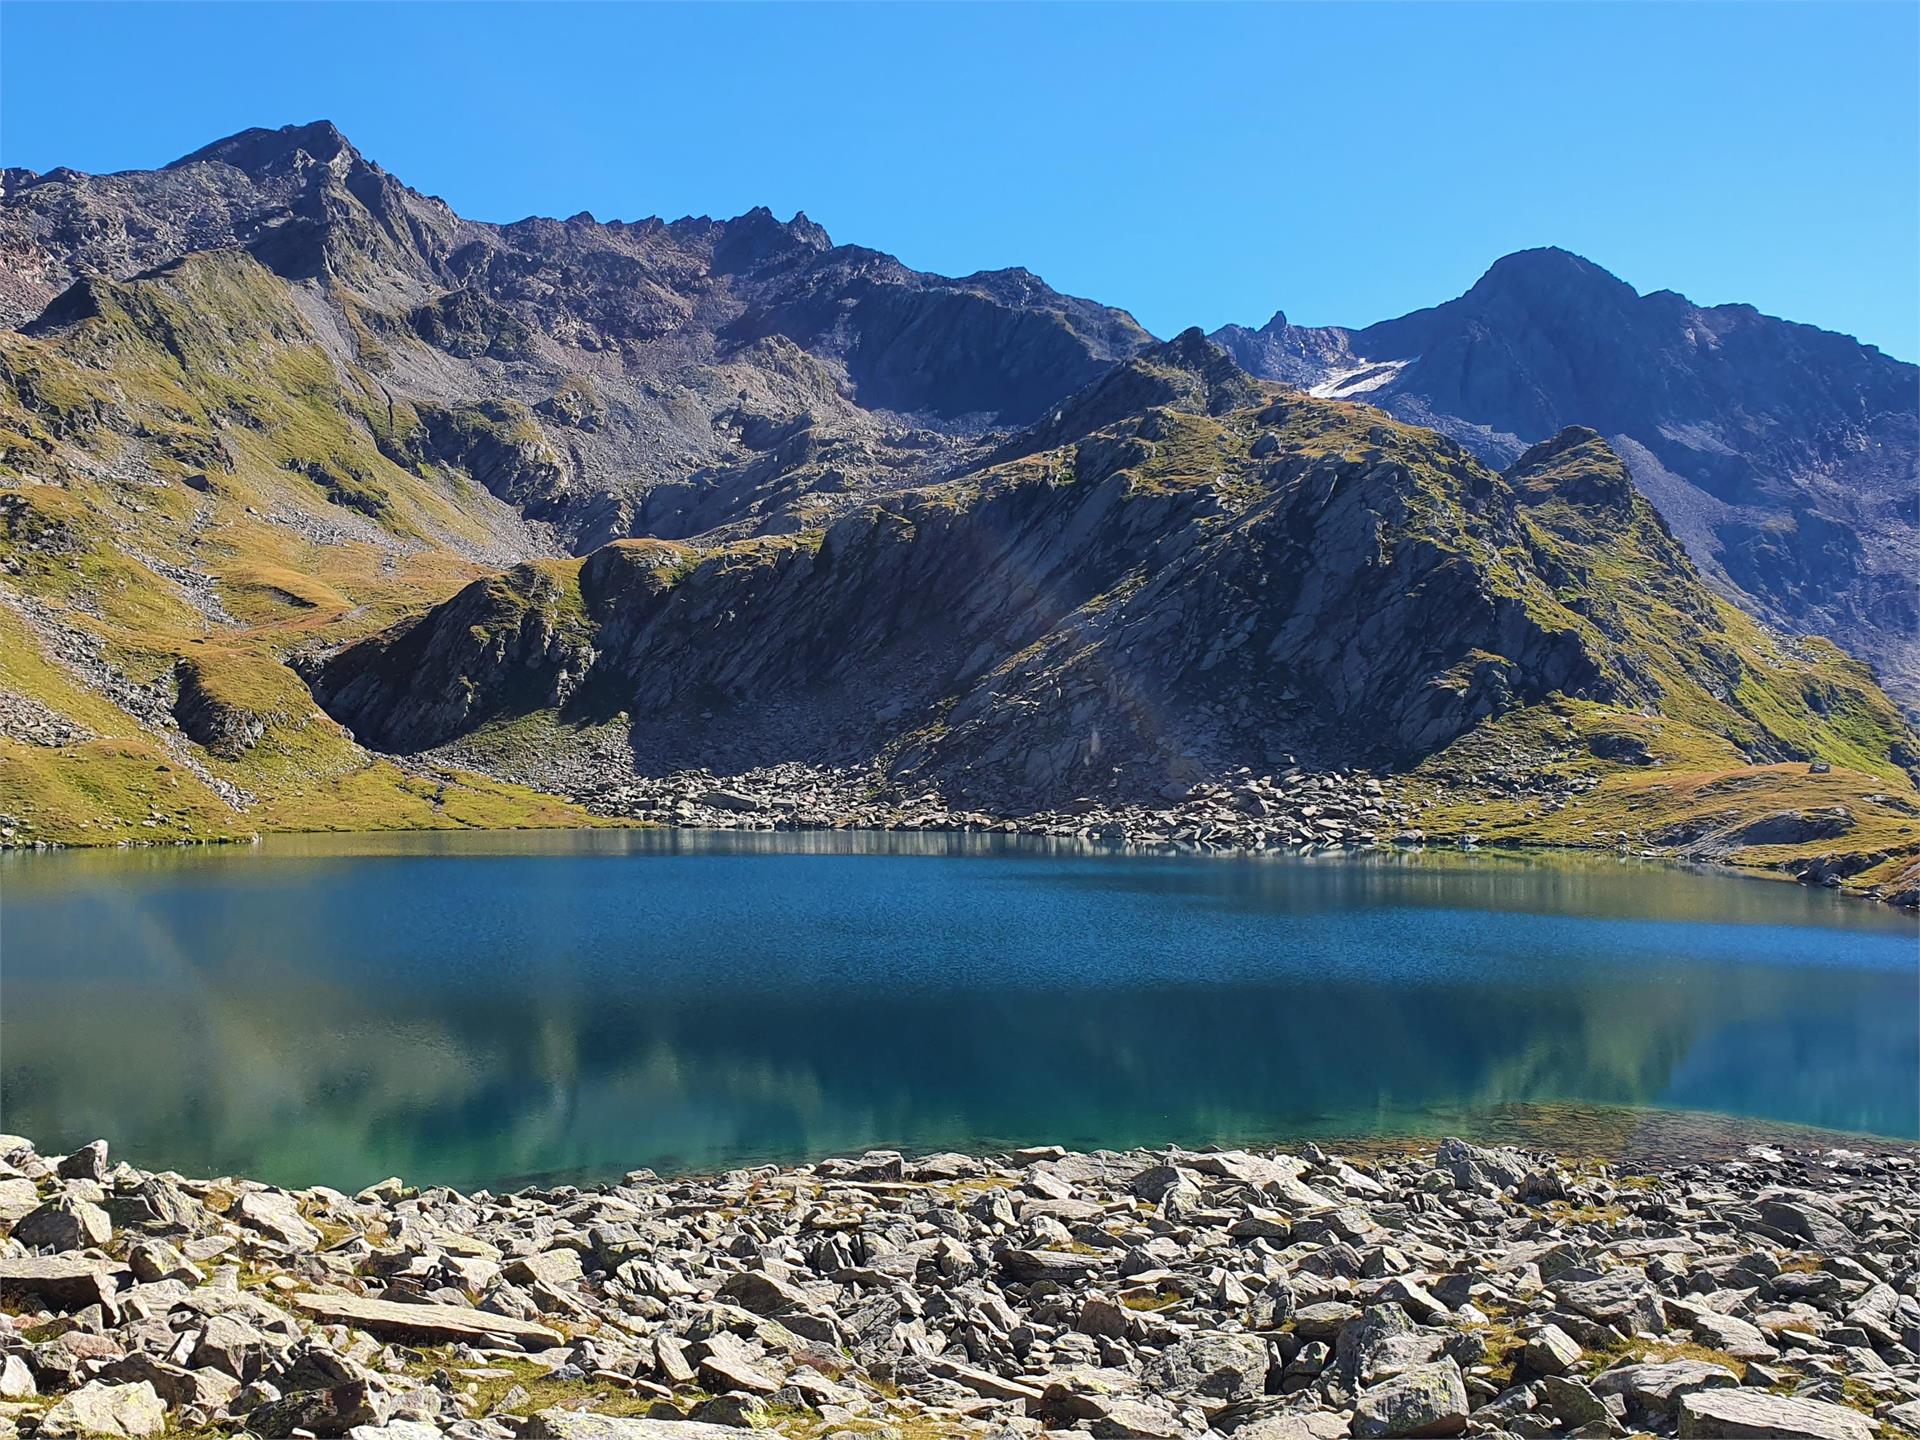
[
  {"x": 666, "y": 377},
  {"x": 1221, "y": 575},
  {"x": 1783, "y": 456}
]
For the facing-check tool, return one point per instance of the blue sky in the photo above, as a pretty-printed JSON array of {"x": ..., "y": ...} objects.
[{"x": 1195, "y": 164}]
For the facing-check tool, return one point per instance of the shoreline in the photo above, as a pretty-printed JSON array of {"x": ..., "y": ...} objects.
[
  {"x": 1253, "y": 1294},
  {"x": 1049, "y": 826},
  {"x": 1629, "y": 1139}
]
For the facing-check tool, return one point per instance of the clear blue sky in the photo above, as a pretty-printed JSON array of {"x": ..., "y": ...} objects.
[{"x": 1194, "y": 164}]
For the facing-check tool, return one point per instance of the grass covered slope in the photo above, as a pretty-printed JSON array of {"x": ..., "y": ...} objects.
[
  {"x": 192, "y": 485},
  {"x": 1616, "y": 571},
  {"x": 1684, "y": 772},
  {"x": 1574, "y": 774}
]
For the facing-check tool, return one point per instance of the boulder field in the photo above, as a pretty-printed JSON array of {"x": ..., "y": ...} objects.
[{"x": 1166, "y": 1293}]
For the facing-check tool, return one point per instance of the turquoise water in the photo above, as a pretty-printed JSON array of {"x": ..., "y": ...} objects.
[{"x": 484, "y": 1009}]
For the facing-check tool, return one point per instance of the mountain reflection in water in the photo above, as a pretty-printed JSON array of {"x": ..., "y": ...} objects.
[{"x": 471, "y": 1009}]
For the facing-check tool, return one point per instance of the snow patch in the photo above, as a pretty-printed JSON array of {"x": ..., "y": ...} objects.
[{"x": 1359, "y": 379}]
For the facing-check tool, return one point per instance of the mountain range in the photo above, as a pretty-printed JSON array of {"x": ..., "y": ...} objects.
[
  {"x": 1784, "y": 457},
  {"x": 324, "y": 507},
  {"x": 665, "y": 377}
]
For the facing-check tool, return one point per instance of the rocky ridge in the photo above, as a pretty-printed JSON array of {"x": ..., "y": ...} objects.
[
  {"x": 1264, "y": 1296},
  {"x": 1175, "y": 592},
  {"x": 270, "y": 397},
  {"x": 661, "y": 377}
]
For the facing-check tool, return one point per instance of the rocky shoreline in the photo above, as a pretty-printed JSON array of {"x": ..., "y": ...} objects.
[
  {"x": 1257, "y": 1296},
  {"x": 1296, "y": 809}
]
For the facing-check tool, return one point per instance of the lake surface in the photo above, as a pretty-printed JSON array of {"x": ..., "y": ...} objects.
[{"x": 485, "y": 1009}]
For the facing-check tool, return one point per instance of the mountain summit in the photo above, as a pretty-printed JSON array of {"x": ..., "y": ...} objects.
[
  {"x": 259, "y": 151},
  {"x": 669, "y": 325}
]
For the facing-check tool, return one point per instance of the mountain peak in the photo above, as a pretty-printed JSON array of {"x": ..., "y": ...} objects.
[
  {"x": 1190, "y": 348},
  {"x": 758, "y": 236},
  {"x": 809, "y": 232},
  {"x": 1546, "y": 270},
  {"x": 762, "y": 220},
  {"x": 1570, "y": 437},
  {"x": 259, "y": 150},
  {"x": 1188, "y": 372},
  {"x": 1224, "y": 385}
]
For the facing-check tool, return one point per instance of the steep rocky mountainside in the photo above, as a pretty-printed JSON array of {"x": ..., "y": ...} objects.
[
  {"x": 268, "y": 397},
  {"x": 1171, "y": 595},
  {"x": 655, "y": 378},
  {"x": 1786, "y": 458},
  {"x": 193, "y": 484}
]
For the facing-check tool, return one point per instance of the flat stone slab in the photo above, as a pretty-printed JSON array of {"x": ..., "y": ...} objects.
[
  {"x": 1425, "y": 1400},
  {"x": 1751, "y": 1415},
  {"x": 1062, "y": 1265},
  {"x": 984, "y": 1382},
  {"x": 575, "y": 1425},
  {"x": 1324, "y": 1319},
  {"x": 123, "y": 1412},
  {"x": 1625, "y": 1299},
  {"x": 731, "y": 1364},
  {"x": 441, "y": 1322},
  {"x": 67, "y": 1282},
  {"x": 1660, "y": 1386}
]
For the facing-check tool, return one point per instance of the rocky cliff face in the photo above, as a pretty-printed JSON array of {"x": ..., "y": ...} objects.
[
  {"x": 1182, "y": 591},
  {"x": 1783, "y": 456}
]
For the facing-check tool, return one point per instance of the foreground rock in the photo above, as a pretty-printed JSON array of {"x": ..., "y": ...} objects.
[
  {"x": 1149, "y": 1294},
  {"x": 442, "y": 1322},
  {"x": 1770, "y": 1416}
]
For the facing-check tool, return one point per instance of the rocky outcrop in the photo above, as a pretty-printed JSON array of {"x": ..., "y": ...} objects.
[
  {"x": 1783, "y": 456},
  {"x": 1186, "y": 373},
  {"x": 212, "y": 721},
  {"x": 499, "y": 444},
  {"x": 1170, "y": 1293},
  {"x": 509, "y": 644},
  {"x": 1302, "y": 356},
  {"x": 1007, "y": 604}
]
